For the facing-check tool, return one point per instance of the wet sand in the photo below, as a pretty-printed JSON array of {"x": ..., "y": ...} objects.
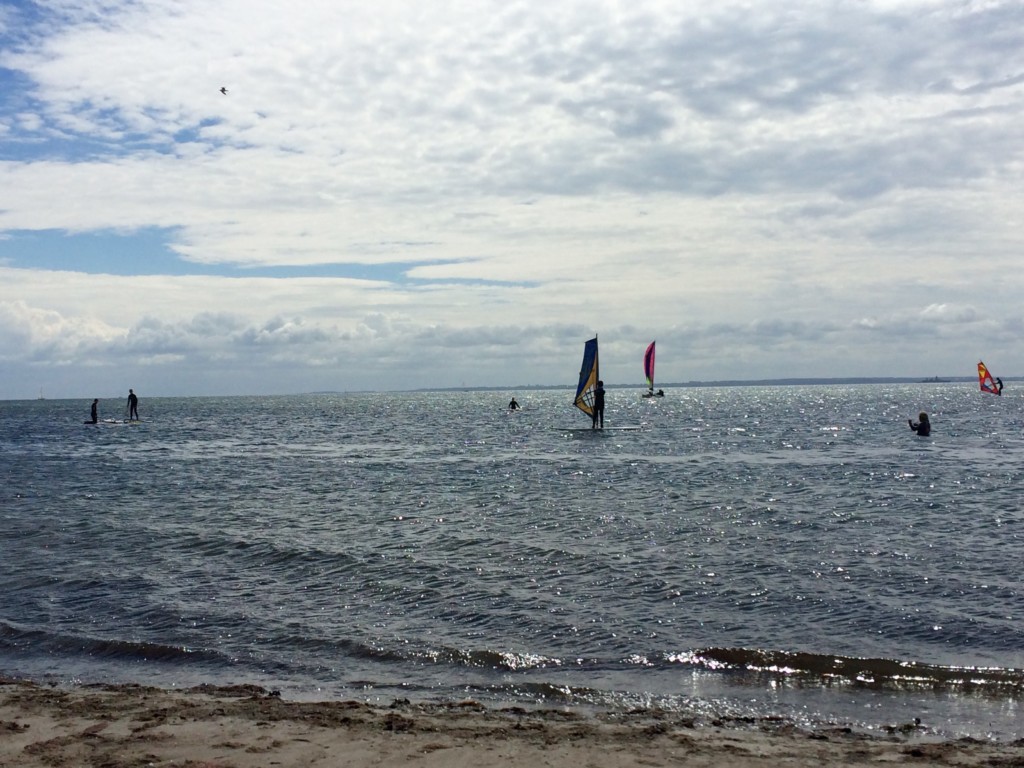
[{"x": 244, "y": 726}]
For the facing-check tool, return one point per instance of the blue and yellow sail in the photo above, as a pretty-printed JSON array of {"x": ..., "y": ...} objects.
[{"x": 589, "y": 374}]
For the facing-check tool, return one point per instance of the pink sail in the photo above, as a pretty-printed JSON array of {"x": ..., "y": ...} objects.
[{"x": 649, "y": 366}]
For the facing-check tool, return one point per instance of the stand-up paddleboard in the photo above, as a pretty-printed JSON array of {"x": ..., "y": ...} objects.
[{"x": 584, "y": 430}]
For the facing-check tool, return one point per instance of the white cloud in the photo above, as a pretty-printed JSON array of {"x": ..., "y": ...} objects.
[
  {"x": 779, "y": 188},
  {"x": 32, "y": 333}
]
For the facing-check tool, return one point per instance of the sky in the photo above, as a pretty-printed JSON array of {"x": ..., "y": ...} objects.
[{"x": 399, "y": 195}]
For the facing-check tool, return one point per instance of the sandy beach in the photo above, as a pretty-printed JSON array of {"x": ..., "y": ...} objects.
[{"x": 245, "y": 726}]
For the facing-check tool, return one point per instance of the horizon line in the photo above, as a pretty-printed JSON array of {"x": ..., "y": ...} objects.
[{"x": 695, "y": 384}]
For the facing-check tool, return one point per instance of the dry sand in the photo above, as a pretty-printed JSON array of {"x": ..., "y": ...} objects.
[{"x": 239, "y": 727}]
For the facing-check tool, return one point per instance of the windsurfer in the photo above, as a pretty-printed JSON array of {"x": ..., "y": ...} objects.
[
  {"x": 923, "y": 427},
  {"x": 598, "y": 416},
  {"x": 513, "y": 405},
  {"x": 999, "y": 386}
]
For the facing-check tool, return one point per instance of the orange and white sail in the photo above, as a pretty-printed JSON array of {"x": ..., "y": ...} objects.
[{"x": 985, "y": 380}]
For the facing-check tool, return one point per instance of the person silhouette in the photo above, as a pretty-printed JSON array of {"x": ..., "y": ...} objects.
[
  {"x": 598, "y": 415},
  {"x": 923, "y": 426},
  {"x": 133, "y": 406}
]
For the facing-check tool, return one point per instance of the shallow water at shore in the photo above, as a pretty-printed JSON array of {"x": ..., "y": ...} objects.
[{"x": 789, "y": 550}]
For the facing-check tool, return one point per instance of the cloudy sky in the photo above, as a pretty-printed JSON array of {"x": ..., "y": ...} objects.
[{"x": 395, "y": 195}]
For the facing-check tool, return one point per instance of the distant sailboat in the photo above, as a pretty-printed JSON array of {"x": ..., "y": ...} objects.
[
  {"x": 589, "y": 376},
  {"x": 649, "y": 372},
  {"x": 986, "y": 383}
]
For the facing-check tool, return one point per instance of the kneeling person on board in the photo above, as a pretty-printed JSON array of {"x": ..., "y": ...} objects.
[{"x": 923, "y": 427}]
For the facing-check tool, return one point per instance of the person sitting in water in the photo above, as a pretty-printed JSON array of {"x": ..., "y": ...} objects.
[
  {"x": 923, "y": 426},
  {"x": 513, "y": 405},
  {"x": 661, "y": 393}
]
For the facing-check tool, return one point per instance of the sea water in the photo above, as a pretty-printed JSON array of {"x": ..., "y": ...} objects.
[{"x": 786, "y": 551}]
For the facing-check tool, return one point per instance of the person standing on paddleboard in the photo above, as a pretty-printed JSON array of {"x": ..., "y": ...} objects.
[
  {"x": 133, "y": 406},
  {"x": 598, "y": 405}
]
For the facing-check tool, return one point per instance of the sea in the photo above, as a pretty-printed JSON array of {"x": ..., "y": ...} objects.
[{"x": 719, "y": 554}]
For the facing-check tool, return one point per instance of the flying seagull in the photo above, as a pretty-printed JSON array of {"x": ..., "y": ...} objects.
[{"x": 223, "y": 89}]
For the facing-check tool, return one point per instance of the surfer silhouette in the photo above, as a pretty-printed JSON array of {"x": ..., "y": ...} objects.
[
  {"x": 133, "y": 406},
  {"x": 94, "y": 412},
  {"x": 513, "y": 405},
  {"x": 923, "y": 426},
  {"x": 598, "y": 415},
  {"x": 999, "y": 386}
]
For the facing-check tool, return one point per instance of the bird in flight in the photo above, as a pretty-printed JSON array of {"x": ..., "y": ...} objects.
[{"x": 223, "y": 89}]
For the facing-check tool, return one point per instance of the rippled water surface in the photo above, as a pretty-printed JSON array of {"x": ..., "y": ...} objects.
[{"x": 777, "y": 550}]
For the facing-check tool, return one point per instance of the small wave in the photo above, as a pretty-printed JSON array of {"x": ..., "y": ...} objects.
[
  {"x": 456, "y": 657},
  {"x": 38, "y": 641},
  {"x": 867, "y": 672},
  {"x": 796, "y": 669}
]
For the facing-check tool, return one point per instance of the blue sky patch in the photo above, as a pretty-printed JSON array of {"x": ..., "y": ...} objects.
[{"x": 147, "y": 252}]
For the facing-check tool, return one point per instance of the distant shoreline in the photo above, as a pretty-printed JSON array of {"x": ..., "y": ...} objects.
[
  {"x": 571, "y": 386},
  {"x": 721, "y": 383}
]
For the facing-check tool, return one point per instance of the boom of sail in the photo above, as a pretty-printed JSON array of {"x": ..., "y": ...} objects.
[{"x": 589, "y": 375}]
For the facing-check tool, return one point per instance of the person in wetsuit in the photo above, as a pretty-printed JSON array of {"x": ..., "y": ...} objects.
[
  {"x": 598, "y": 406},
  {"x": 923, "y": 426},
  {"x": 94, "y": 412},
  {"x": 513, "y": 405},
  {"x": 133, "y": 405}
]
